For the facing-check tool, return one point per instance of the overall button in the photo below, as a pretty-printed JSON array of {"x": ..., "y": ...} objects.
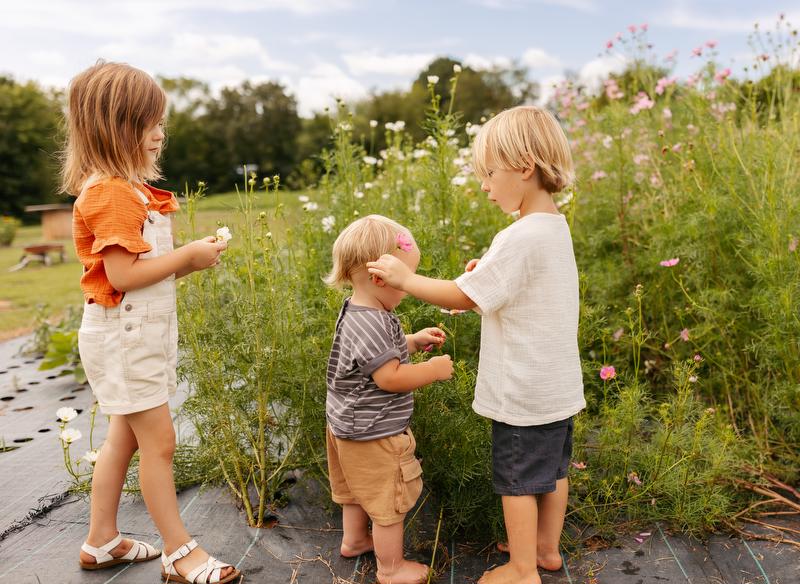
[
  {"x": 128, "y": 308},
  {"x": 129, "y": 327}
]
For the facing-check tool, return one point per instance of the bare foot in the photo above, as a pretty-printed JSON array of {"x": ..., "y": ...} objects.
[
  {"x": 195, "y": 558},
  {"x": 406, "y": 573},
  {"x": 509, "y": 574},
  {"x": 354, "y": 549},
  {"x": 550, "y": 561},
  {"x": 123, "y": 548}
]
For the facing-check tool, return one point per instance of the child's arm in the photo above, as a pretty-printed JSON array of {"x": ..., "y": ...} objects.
[
  {"x": 427, "y": 336},
  {"x": 397, "y": 378},
  {"x": 127, "y": 272},
  {"x": 398, "y": 275}
]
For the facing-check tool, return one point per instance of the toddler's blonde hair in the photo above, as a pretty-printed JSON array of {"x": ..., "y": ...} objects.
[
  {"x": 110, "y": 106},
  {"x": 364, "y": 240},
  {"x": 525, "y": 137}
]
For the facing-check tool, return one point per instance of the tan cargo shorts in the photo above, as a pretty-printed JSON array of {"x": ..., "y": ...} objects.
[{"x": 382, "y": 476}]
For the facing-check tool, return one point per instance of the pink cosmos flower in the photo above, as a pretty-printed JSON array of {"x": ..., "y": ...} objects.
[
  {"x": 609, "y": 44},
  {"x": 697, "y": 358},
  {"x": 404, "y": 242},
  {"x": 677, "y": 147},
  {"x": 607, "y": 372},
  {"x": 685, "y": 335},
  {"x": 643, "y": 102},
  {"x": 670, "y": 262},
  {"x": 632, "y": 28},
  {"x": 711, "y": 44},
  {"x": 721, "y": 76},
  {"x": 579, "y": 465},
  {"x": 634, "y": 478},
  {"x": 618, "y": 334},
  {"x": 644, "y": 27},
  {"x": 671, "y": 55},
  {"x": 599, "y": 175},
  {"x": 697, "y": 51},
  {"x": 663, "y": 83},
  {"x": 793, "y": 245}
]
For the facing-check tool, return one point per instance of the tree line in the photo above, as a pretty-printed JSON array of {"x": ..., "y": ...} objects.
[{"x": 211, "y": 135}]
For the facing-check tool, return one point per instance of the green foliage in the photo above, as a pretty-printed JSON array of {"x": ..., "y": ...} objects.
[
  {"x": 28, "y": 141},
  {"x": 8, "y": 229}
]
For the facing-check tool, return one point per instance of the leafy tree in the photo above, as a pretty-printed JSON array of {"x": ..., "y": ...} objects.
[{"x": 29, "y": 129}]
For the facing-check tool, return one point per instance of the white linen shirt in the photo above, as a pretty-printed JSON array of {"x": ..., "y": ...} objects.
[{"x": 526, "y": 290}]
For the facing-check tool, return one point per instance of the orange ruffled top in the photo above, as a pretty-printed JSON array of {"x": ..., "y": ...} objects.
[{"x": 110, "y": 212}]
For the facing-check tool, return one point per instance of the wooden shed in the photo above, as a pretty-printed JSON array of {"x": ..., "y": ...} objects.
[{"x": 56, "y": 220}]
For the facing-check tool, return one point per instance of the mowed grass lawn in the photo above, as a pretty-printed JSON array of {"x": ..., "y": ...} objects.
[{"x": 57, "y": 285}]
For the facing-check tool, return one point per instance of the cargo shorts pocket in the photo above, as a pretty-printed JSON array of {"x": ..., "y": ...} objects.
[
  {"x": 91, "y": 347},
  {"x": 144, "y": 355},
  {"x": 409, "y": 484}
]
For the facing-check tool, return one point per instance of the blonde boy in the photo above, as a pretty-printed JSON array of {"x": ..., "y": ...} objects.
[
  {"x": 373, "y": 472},
  {"x": 526, "y": 289}
]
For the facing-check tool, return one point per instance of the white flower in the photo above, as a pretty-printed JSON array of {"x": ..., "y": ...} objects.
[
  {"x": 371, "y": 160},
  {"x": 70, "y": 435},
  {"x": 608, "y": 141},
  {"x": 433, "y": 79},
  {"x": 456, "y": 68},
  {"x": 459, "y": 161},
  {"x": 310, "y": 206},
  {"x": 358, "y": 195},
  {"x": 450, "y": 133},
  {"x": 390, "y": 126},
  {"x": 368, "y": 185},
  {"x": 373, "y": 123},
  {"x": 399, "y": 125},
  {"x": 328, "y": 223},
  {"x": 91, "y": 456},
  {"x": 459, "y": 180},
  {"x": 420, "y": 153},
  {"x": 66, "y": 414},
  {"x": 345, "y": 127},
  {"x": 385, "y": 196},
  {"x": 303, "y": 198},
  {"x": 473, "y": 129},
  {"x": 224, "y": 234}
]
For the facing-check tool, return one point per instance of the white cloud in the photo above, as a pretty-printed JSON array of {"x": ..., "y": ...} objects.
[
  {"x": 684, "y": 17},
  {"x": 580, "y": 5},
  {"x": 540, "y": 59},
  {"x": 593, "y": 73},
  {"x": 216, "y": 58},
  {"x": 320, "y": 88},
  {"x": 370, "y": 62},
  {"x": 481, "y": 63},
  {"x": 547, "y": 87}
]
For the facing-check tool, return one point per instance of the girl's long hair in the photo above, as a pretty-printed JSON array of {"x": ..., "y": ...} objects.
[{"x": 110, "y": 106}]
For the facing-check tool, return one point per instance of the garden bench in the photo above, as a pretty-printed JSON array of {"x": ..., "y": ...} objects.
[{"x": 39, "y": 253}]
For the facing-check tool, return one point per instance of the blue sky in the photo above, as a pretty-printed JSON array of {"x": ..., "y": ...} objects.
[{"x": 321, "y": 48}]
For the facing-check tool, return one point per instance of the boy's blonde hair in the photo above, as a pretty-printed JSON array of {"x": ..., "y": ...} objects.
[
  {"x": 364, "y": 240},
  {"x": 525, "y": 137},
  {"x": 110, "y": 106}
]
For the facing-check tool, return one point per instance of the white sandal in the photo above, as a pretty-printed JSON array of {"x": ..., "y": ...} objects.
[
  {"x": 207, "y": 573},
  {"x": 139, "y": 552}
]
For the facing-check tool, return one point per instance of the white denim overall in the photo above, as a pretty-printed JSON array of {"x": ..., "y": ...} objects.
[{"x": 130, "y": 351}]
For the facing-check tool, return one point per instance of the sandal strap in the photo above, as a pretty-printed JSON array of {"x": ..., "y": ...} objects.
[
  {"x": 179, "y": 553},
  {"x": 139, "y": 550},
  {"x": 102, "y": 553},
  {"x": 210, "y": 572}
]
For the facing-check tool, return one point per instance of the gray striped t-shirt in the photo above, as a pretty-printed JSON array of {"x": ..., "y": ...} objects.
[{"x": 357, "y": 409}]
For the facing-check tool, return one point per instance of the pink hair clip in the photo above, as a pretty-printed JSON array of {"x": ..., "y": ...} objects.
[{"x": 404, "y": 242}]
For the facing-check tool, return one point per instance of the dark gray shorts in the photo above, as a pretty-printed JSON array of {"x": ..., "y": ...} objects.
[{"x": 528, "y": 460}]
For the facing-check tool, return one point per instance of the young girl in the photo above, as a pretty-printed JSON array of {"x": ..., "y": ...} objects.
[
  {"x": 526, "y": 287},
  {"x": 128, "y": 335}
]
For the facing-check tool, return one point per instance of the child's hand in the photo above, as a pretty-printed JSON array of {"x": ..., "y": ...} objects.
[
  {"x": 428, "y": 338},
  {"x": 204, "y": 253},
  {"x": 442, "y": 367},
  {"x": 391, "y": 270},
  {"x": 471, "y": 265}
]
